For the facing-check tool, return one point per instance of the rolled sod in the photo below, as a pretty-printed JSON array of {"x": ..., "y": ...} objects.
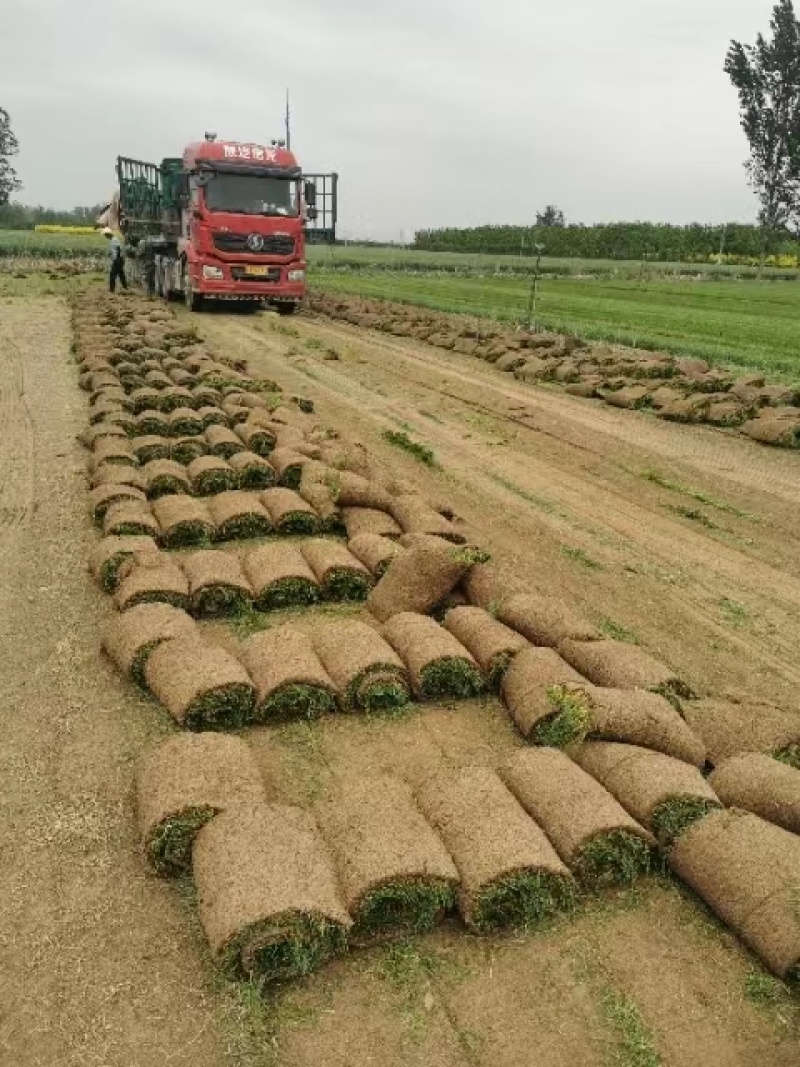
[
  {"x": 376, "y": 553},
  {"x": 217, "y": 583},
  {"x": 118, "y": 474},
  {"x": 290, "y": 680},
  {"x": 150, "y": 447},
  {"x": 113, "y": 450},
  {"x": 132, "y": 635},
  {"x": 354, "y": 491},
  {"x": 106, "y": 411},
  {"x": 237, "y": 413},
  {"x": 185, "y": 449},
  {"x": 622, "y": 666},
  {"x": 590, "y": 830},
  {"x": 202, "y": 686},
  {"x": 152, "y": 578},
  {"x": 396, "y": 877},
  {"x": 762, "y": 785},
  {"x": 511, "y": 876},
  {"x": 543, "y": 695},
  {"x": 359, "y": 521},
  {"x": 92, "y": 434},
  {"x": 185, "y": 422},
  {"x": 340, "y": 575},
  {"x": 211, "y": 474},
  {"x": 545, "y": 620},
  {"x": 145, "y": 398},
  {"x": 366, "y": 670},
  {"x": 415, "y": 516},
  {"x": 130, "y": 517},
  {"x": 110, "y": 556},
  {"x": 253, "y": 471},
  {"x": 732, "y": 729},
  {"x": 183, "y": 784},
  {"x": 183, "y": 521},
  {"x": 256, "y": 436},
  {"x": 748, "y": 871},
  {"x": 223, "y": 442},
  {"x": 782, "y": 433},
  {"x": 152, "y": 423},
  {"x": 288, "y": 466},
  {"x": 290, "y": 514},
  {"x": 102, "y": 497},
  {"x": 440, "y": 667},
  {"x": 489, "y": 642},
  {"x": 280, "y": 577},
  {"x": 176, "y": 400},
  {"x": 239, "y": 515},
  {"x": 419, "y": 578},
  {"x": 487, "y": 586},
  {"x": 663, "y": 794},
  {"x": 157, "y": 379},
  {"x": 268, "y": 899},
  {"x": 212, "y": 416},
  {"x": 316, "y": 489},
  {"x": 639, "y": 717},
  {"x": 206, "y": 396},
  {"x": 164, "y": 477}
]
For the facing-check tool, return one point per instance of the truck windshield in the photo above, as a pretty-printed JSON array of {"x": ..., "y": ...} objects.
[{"x": 245, "y": 194}]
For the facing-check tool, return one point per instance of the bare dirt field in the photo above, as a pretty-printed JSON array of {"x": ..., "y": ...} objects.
[{"x": 683, "y": 539}]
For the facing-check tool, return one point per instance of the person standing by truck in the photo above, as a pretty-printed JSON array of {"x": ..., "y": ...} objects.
[{"x": 117, "y": 272}]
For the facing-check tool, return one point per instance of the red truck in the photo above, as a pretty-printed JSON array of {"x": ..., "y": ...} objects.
[{"x": 226, "y": 221}]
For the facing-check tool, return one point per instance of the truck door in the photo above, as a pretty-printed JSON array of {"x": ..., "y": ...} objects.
[{"x": 322, "y": 229}]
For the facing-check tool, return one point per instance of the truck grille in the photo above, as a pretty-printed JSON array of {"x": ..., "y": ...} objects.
[{"x": 271, "y": 244}]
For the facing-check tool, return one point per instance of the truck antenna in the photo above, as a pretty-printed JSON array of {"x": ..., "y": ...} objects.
[{"x": 288, "y": 123}]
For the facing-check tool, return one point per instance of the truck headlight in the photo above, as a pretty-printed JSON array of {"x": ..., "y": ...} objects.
[
  {"x": 297, "y": 275},
  {"x": 213, "y": 272}
]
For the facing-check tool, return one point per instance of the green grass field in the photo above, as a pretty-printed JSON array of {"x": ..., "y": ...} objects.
[{"x": 32, "y": 245}]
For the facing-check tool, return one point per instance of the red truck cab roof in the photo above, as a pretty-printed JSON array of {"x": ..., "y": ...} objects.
[{"x": 239, "y": 155}]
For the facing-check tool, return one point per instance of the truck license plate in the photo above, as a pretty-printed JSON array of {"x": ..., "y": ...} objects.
[{"x": 259, "y": 272}]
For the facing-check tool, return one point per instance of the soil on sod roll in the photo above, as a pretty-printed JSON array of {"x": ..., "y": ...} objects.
[
  {"x": 316, "y": 489},
  {"x": 185, "y": 449},
  {"x": 622, "y": 666},
  {"x": 117, "y": 474},
  {"x": 415, "y": 516},
  {"x": 290, "y": 514},
  {"x": 101, "y": 498},
  {"x": 762, "y": 785},
  {"x": 253, "y": 471},
  {"x": 151, "y": 423},
  {"x": 420, "y": 578},
  {"x": 590, "y": 830},
  {"x": 211, "y": 474},
  {"x": 183, "y": 784},
  {"x": 202, "y": 686},
  {"x": 223, "y": 442},
  {"x": 280, "y": 577},
  {"x": 151, "y": 447},
  {"x": 545, "y": 620},
  {"x": 92, "y": 434},
  {"x": 110, "y": 556},
  {"x": 543, "y": 694},
  {"x": 351, "y": 490},
  {"x": 439, "y": 665},
  {"x": 153, "y": 578},
  {"x": 488, "y": 586},
  {"x": 663, "y": 794},
  {"x": 511, "y": 876},
  {"x": 360, "y": 521},
  {"x": 638, "y": 717},
  {"x": 183, "y": 521},
  {"x": 130, "y": 517},
  {"x": 731, "y": 729},
  {"x": 748, "y": 871},
  {"x": 165, "y": 476},
  {"x": 132, "y": 635},
  {"x": 257, "y": 437},
  {"x": 185, "y": 422},
  {"x": 217, "y": 584},
  {"x": 290, "y": 680},
  {"x": 376, "y": 553},
  {"x": 268, "y": 899},
  {"x": 366, "y": 670},
  {"x": 492, "y": 645},
  {"x": 340, "y": 575},
  {"x": 239, "y": 515},
  {"x": 288, "y": 466},
  {"x": 397, "y": 878}
]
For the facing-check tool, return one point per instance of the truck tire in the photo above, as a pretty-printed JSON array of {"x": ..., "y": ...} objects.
[
  {"x": 286, "y": 309},
  {"x": 194, "y": 301}
]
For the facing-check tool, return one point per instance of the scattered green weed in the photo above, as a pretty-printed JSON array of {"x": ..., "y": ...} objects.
[
  {"x": 696, "y": 494},
  {"x": 636, "y": 1046},
  {"x": 695, "y": 514},
  {"x": 400, "y": 439},
  {"x": 617, "y": 631},
  {"x": 735, "y": 613},
  {"x": 577, "y": 555},
  {"x": 540, "y": 502}
]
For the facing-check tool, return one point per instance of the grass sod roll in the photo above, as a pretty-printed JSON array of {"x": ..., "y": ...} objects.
[
  {"x": 619, "y": 665},
  {"x": 210, "y": 474},
  {"x": 352, "y": 490},
  {"x": 111, "y": 555},
  {"x": 185, "y": 422},
  {"x": 205, "y": 396},
  {"x": 317, "y": 485},
  {"x": 288, "y": 465},
  {"x": 238, "y": 515},
  {"x": 117, "y": 474},
  {"x": 211, "y": 415},
  {"x": 415, "y": 516},
  {"x": 268, "y": 899},
  {"x": 183, "y": 521},
  {"x": 543, "y": 695},
  {"x": 176, "y": 402},
  {"x": 202, "y": 686},
  {"x": 340, "y": 575},
  {"x": 590, "y": 830},
  {"x": 153, "y": 578},
  {"x": 359, "y": 521},
  {"x": 145, "y": 399},
  {"x": 113, "y": 450},
  {"x": 420, "y": 578},
  {"x": 489, "y": 642},
  {"x": 132, "y": 635},
  {"x": 289, "y": 513},
  {"x": 663, "y": 794},
  {"x": 639, "y": 717},
  {"x": 366, "y": 670},
  {"x": 217, "y": 584},
  {"x": 729, "y": 729},
  {"x": 782, "y": 433},
  {"x": 152, "y": 423},
  {"x": 150, "y": 447},
  {"x": 376, "y": 553},
  {"x": 544, "y": 620},
  {"x": 103, "y": 497},
  {"x": 290, "y": 681},
  {"x": 280, "y": 577},
  {"x": 253, "y": 471},
  {"x": 511, "y": 876},
  {"x": 164, "y": 477},
  {"x": 397, "y": 878},
  {"x": 256, "y": 437},
  {"x": 130, "y": 517},
  {"x": 92, "y": 434},
  {"x": 185, "y": 449},
  {"x": 762, "y": 785},
  {"x": 747, "y": 871},
  {"x": 439, "y": 665},
  {"x": 223, "y": 442}
]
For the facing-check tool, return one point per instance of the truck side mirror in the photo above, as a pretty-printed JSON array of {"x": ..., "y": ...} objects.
[
  {"x": 182, "y": 188},
  {"x": 310, "y": 194},
  {"x": 312, "y": 214}
]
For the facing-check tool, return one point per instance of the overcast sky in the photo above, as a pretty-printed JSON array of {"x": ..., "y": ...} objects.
[{"x": 434, "y": 112}]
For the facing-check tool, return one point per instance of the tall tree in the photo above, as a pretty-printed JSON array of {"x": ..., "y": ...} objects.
[
  {"x": 9, "y": 182},
  {"x": 766, "y": 76},
  {"x": 551, "y": 216}
]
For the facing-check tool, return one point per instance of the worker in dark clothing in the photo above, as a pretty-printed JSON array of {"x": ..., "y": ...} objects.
[
  {"x": 117, "y": 272},
  {"x": 149, "y": 269}
]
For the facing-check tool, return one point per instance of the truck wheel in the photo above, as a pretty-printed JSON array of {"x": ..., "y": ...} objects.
[
  {"x": 194, "y": 301},
  {"x": 286, "y": 309}
]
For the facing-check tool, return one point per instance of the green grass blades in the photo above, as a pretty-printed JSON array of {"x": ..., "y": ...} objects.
[
  {"x": 169, "y": 848},
  {"x": 380, "y": 689},
  {"x": 522, "y": 901},
  {"x": 789, "y": 755},
  {"x": 287, "y": 593},
  {"x": 400, "y": 439},
  {"x": 296, "y": 701},
  {"x": 284, "y": 948},
  {"x": 614, "y": 858},
  {"x": 244, "y": 528},
  {"x": 673, "y": 817},
  {"x": 342, "y": 583},
  {"x": 569, "y": 722},
  {"x": 401, "y": 909},
  {"x": 216, "y": 481},
  {"x": 226, "y": 707},
  {"x": 216, "y": 601},
  {"x": 297, "y": 523},
  {"x": 451, "y": 677}
]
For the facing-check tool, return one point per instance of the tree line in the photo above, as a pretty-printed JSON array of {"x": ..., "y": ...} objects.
[{"x": 16, "y": 216}]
